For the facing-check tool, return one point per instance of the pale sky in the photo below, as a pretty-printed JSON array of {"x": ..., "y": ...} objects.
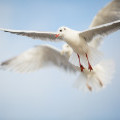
[{"x": 48, "y": 94}]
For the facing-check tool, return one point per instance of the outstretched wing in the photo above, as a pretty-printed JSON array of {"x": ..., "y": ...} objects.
[
  {"x": 36, "y": 58},
  {"x": 34, "y": 34},
  {"x": 110, "y": 13},
  {"x": 100, "y": 31}
]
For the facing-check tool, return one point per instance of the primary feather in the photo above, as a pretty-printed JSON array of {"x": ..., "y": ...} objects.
[
  {"x": 110, "y": 13},
  {"x": 34, "y": 34}
]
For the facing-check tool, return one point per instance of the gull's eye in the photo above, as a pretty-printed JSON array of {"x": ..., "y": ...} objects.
[
  {"x": 60, "y": 30},
  {"x": 64, "y": 28}
]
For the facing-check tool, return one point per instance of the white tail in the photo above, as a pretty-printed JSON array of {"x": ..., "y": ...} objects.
[{"x": 98, "y": 78}]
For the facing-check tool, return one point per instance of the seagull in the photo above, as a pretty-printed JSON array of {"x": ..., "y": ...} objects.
[
  {"x": 45, "y": 55},
  {"x": 77, "y": 40},
  {"x": 40, "y": 57},
  {"x": 106, "y": 19}
]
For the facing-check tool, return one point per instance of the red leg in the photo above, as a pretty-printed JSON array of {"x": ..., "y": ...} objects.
[
  {"x": 81, "y": 66},
  {"x": 89, "y": 87},
  {"x": 89, "y": 66}
]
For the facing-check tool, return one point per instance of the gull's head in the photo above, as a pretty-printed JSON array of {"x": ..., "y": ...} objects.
[
  {"x": 66, "y": 50},
  {"x": 62, "y": 31}
]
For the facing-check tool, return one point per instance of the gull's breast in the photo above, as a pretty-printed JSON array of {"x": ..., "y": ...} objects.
[{"x": 77, "y": 43}]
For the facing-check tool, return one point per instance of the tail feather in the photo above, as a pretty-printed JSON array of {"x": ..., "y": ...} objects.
[{"x": 98, "y": 78}]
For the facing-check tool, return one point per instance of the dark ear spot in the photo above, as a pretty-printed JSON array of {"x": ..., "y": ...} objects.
[{"x": 64, "y": 28}]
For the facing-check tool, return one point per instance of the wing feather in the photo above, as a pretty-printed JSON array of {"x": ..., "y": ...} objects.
[
  {"x": 36, "y": 58},
  {"x": 100, "y": 31},
  {"x": 110, "y": 13},
  {"x": 34, "y": 34}
]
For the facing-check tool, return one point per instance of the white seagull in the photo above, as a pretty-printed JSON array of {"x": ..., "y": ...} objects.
[
  {"x": 45, "y": 55},
  {"x": 77, "y": 40},
  {"x": 41, "y": 56}
]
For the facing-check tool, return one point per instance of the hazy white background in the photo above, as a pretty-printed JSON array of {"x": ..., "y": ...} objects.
[{"x": 48, "y": 93}]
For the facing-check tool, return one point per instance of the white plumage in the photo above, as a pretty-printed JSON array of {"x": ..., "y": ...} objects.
[
  {"x": 97, "y": 79},
  {"x": 77, "y": 40},
  {"x": 37, "y": 58},
  {"x": 82, "y": 43}
]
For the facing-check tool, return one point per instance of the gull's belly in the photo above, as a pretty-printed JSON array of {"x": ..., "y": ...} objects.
[
  {"x": 79, "y": 46},
  {"x": 80, "y": 49}
]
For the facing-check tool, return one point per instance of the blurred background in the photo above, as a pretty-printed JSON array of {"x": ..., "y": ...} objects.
[{"x": 48, "y": 94}]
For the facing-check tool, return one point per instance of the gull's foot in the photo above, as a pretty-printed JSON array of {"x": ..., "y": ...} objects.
[
  {"x": 81, "y": 68},
  {"x": 100, "y": 82},
  {"x": 90, "y": 67},
  {"x": 89, "y": 87}
]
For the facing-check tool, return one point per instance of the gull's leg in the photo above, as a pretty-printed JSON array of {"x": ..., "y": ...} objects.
[
  {"x": 89, "y": 87},
  {"x": 81, "y": 66},
  {"x": 100, "y": 82},
  {"x": 89, "y": 66}
]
